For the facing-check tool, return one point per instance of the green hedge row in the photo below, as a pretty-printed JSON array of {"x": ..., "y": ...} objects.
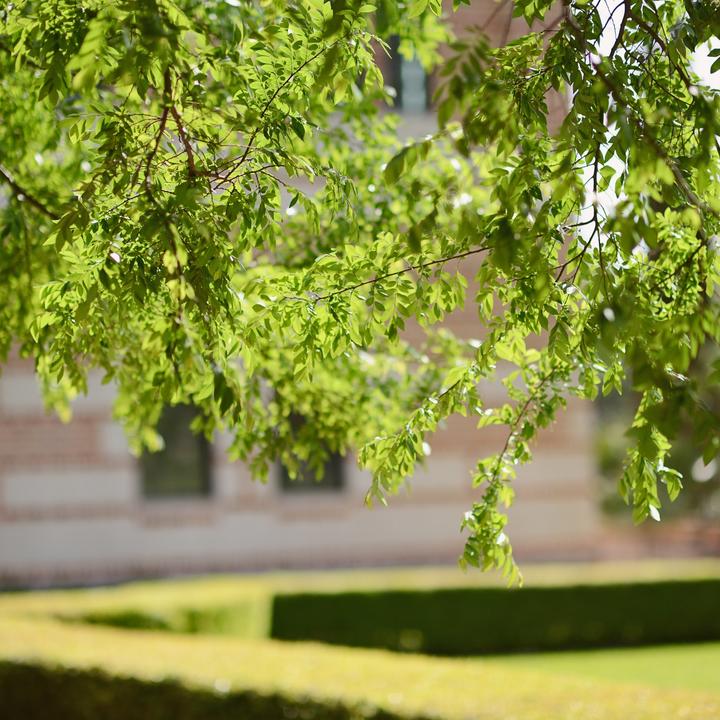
[
  {"x": 466, "y": 621},
  {"x": 205, "y": 621},
  {"x": 244, "y": 617},
  {"x": 471, "y": 621},
  {"x": 33, "y": 692}
]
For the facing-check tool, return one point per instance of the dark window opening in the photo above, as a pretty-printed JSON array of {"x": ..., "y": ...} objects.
[
  {"x": 182, "y": 468},
  {"x": 409, "y": 80},
  {"x": 307, "y": 480}
]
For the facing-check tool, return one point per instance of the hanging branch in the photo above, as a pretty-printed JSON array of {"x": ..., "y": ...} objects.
[{"x": 420, "y": 266}]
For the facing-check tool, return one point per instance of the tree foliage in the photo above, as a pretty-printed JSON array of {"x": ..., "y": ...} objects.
[{"x": 206, "y": 200}]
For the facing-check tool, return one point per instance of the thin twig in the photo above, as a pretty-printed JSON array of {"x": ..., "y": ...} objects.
[
  {"x": 192, "y": 170},
  {"x": 277, "y": 91},
  {"x": 508, "y": 27},
  {"x": 621, "y": 30},
  {"x": 644, "y": 132},
  {"x": 420, "y": 266},
  {"x": 651, "y": 76},
  {"x": 512, "y": 434},
  {"x": 493, "y": 14},
  {"x": 663, "y": 46},
  {"x": 167, "y": 92}
]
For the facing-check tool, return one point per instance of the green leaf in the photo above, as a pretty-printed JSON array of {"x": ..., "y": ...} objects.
[
  {"x": 416, "y": 8},
  {"x": 395, "y": 167}
]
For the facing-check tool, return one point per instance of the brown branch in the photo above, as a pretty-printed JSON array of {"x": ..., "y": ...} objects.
[
  {"x": 512, "y": 434},
  {"x": 610, "y": 18},
  {"x": 578, "y": 256},
  {"x": 167, "y": 92},
  {"x": 500, "y": 6},
  {"x": 651, "y": 77},
  {"x": 663, "y": 46},
  {"x": 594, "y": 220},
  {"x": 230, "y": 178},
  {"x": 689, "y": 193},
  {"x": 552, "y": 25},
  {"x": 679, "y": 268},
  {"x": 621, "y": 30},
  {"x": 508, "y": 28},
  {"x": 20, "y": 191},
  {"x": 277, "y": 91},
  {"x": 420, "y": 266},
  {"x": 641, "y": 127},
  {"x": 646, "y": 135},
  {"x": 167, "y": 106},
  {"x": 192, "y": 170}
]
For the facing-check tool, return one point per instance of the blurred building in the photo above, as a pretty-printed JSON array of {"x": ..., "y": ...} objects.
[{"x": 77, "y": 507}]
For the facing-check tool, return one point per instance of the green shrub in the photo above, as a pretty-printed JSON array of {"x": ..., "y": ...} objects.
[
  {"x": 49, "y": 670},
  {"x": 35, "y": 692},
  {"x": 468, "y": 621},
  {"x": 457, "y": 621},
  {"x": 204, "y": 620},
  {"x": 129, "y": 619}
]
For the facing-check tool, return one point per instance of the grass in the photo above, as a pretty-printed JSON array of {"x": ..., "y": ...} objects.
[{"x": 693, "y": 667}]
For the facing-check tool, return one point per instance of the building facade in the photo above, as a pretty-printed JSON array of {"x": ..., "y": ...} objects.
[{"x": 77, "y": 507}]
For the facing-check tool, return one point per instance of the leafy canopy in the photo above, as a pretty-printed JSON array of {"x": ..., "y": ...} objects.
[{"x": 206, "y": 200}]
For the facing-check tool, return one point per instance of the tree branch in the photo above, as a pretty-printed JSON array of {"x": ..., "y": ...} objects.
[
  {"x": 167, "y": 93},
  {"x": 19, "y": 190},
  {"x": 519, "y": 417},
  {"x": 277, "y": 91},
  {"x": 192, "y": 170},
  {"x": 651, "y": 76},
  {"x": 621, "y": 30},
  {"x": 663, "y": 46},
  {"x": 644, "y": 133},
  {"x": 499, "y": 7},
  {"x": 420, "y": 266}
]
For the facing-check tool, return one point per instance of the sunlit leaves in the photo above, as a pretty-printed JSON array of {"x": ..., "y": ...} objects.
[{"x": 208, "y": 202}]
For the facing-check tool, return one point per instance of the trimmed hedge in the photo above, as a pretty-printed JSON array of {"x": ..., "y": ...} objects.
[
  {"x": 204, "y": 620},
  {"x": 471, "y": 621},
  {"x": 462, "y": 621},
  {"x": 53, "y": 669},
  {"x": 35, "y": 692}
]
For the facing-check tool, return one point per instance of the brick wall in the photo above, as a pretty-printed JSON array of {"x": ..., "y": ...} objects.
[{"x": 71, "y": 507}]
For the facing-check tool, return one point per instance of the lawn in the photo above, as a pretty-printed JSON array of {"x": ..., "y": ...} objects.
[{"x": 695, "y": 666}]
